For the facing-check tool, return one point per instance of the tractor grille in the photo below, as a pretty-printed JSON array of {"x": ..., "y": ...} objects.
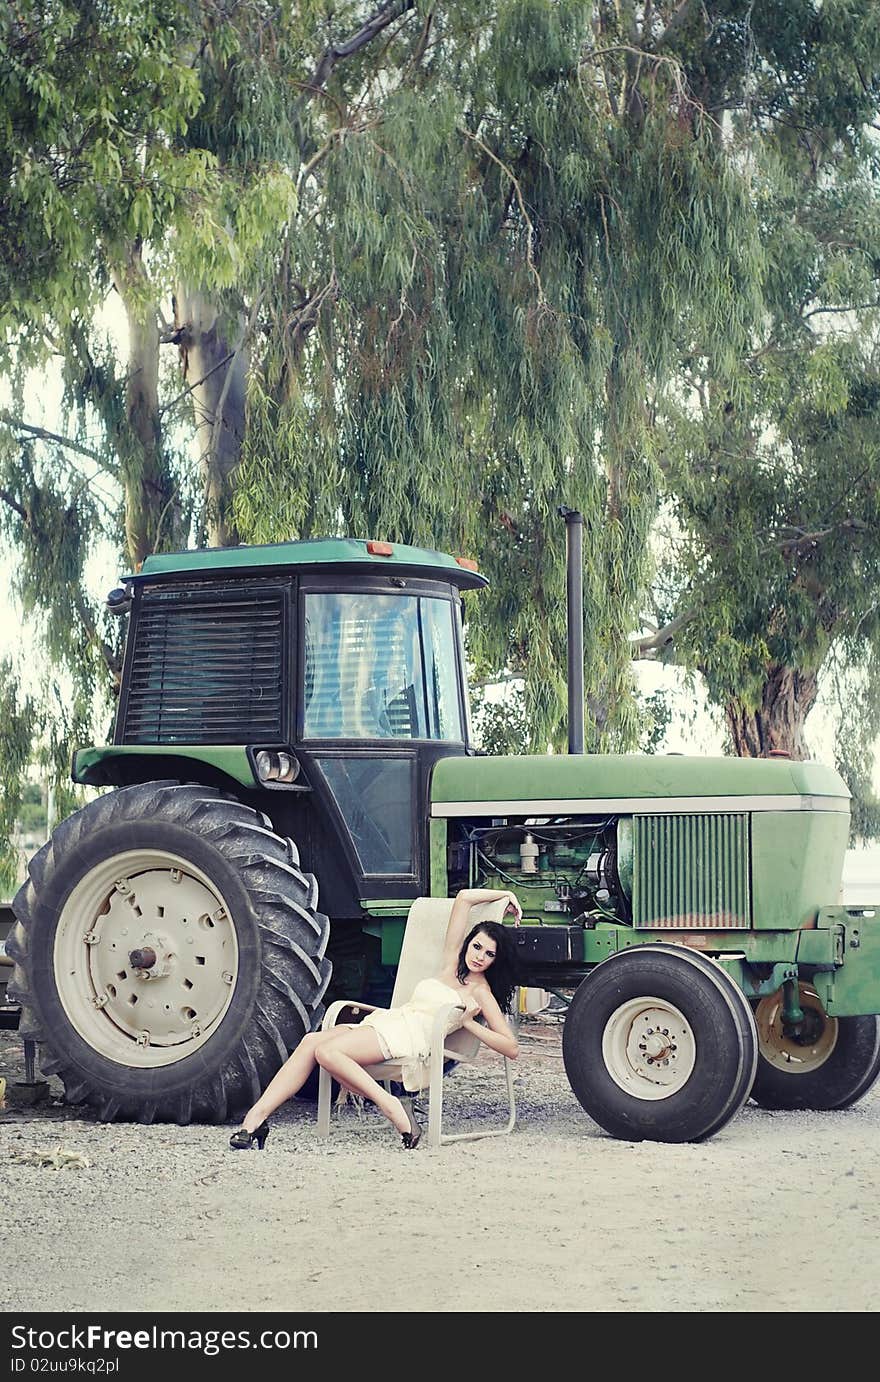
[
  {"x": 691, "y": 871},
  {"x": 207, "y": 667}
]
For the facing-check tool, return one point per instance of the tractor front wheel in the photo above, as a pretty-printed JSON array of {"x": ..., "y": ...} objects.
[
  {"x": 168, "y": 953},
  {"x": 823, "y": 1063},
  {"x": 659, "y": 1044}
]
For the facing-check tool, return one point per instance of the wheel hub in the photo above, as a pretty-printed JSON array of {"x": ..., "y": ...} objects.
[
  {"x": 140, "y": 992},
  {"x": 801, "y": 1050},
  {"x": 649, "y": 1048},
  {"x": 153, "y": 957}
]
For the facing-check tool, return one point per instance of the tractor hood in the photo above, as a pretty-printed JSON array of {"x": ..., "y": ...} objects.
[{"x": 637, "y": 784}]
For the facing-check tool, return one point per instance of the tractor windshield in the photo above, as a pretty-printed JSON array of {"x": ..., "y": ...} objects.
[{"x": 381, "y": 667}]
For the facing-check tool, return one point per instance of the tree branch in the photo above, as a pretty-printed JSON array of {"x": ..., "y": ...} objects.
[
  {"x": 853, "y": 307},
  {"x": 677, "y": 20},
  {"x": 530, "y": 229},
  {"x": 651, "y": 643},
  {"x": 310, "y": 310},
  {"x": 421, "y": 47},
  {"x": 656, "y": 58},
  {"x": 172, "y": 403},
  {"x": 44, "y": 435},
  {"x": 500, "y": 680},
  {"x": 378, "y": 20},
  {"x": 14, "y": 504},
  {"x": 113, "y": 665},
  {"x": 788, "y": 544}
]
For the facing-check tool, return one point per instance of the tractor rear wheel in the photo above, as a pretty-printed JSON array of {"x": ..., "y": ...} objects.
[
  {"x": 659, "y": 1044},
  {"x": 168, "y": 953},
  {"x": 827, "y": 1063}
]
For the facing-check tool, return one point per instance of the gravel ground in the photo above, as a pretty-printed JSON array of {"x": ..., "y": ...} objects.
[{"x": 779, "y": 1212}]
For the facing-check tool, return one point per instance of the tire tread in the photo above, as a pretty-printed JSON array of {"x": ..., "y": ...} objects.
[{"x": 293, "y": 940}]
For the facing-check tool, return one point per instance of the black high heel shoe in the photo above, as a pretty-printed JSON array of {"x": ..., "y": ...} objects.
[
  {"x": 242, "y": 1140},
  {"x": 412, "y": 1138}
]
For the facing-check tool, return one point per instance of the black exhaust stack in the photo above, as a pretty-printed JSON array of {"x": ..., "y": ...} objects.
[{"x": 574, "y": 589}]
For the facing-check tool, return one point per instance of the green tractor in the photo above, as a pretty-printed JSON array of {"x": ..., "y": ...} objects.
[{"x": 297, "y": 714}]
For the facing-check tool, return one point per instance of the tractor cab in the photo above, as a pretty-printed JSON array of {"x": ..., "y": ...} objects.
[{"x": 382, "y": 696}]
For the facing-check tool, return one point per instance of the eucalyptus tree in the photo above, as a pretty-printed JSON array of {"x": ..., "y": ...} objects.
[
  {"x": 459, "y": 241},
  {"x": 420, "y": 270},
  {"x": 503, "y": 238},
  {"x": 147, "y": 157},
  {"x": 91, "y": 99},
  {"x": 773, "y": 468}
]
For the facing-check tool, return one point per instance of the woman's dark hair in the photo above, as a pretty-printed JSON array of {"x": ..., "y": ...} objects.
[{"x": 501, "y": 976}]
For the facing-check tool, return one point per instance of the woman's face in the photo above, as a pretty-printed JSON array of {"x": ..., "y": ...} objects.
[{"x": 480, "y": 953}]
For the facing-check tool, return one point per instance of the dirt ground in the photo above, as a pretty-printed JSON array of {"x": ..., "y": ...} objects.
[{"x": 779, "y": 1212}]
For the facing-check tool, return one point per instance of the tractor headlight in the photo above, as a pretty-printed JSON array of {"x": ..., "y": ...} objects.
[
  {"x": 119, "y": 601},
  {"x": 276, "y": 767}
]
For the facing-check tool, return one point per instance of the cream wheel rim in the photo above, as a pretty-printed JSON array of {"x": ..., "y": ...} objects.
[
  {"x": 649, "y": 1048},
  {"x": 802, "y": 1053},
  {"x": 146, "y": 958}
]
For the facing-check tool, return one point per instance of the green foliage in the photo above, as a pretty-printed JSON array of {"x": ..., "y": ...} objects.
[
  {"x": 32, "y": 814},
  {"x": 501, "y": 727},
  {"x": 773, "y": 465},
  {"x": 496, "y": 268},
  {"x": 477, "y": 262},
  {"x": 92, "y": 96},
  {"x": 855, "y": 682},
  {"x": 108, "y": 194},
  {"x": 18, "y": 721},
  {"x": 656, "y": 719}
]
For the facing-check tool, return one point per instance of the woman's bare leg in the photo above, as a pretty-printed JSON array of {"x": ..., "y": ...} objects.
[
  {"x": 344, "y": 1060},
  {"x": 290, "y": 1079}
]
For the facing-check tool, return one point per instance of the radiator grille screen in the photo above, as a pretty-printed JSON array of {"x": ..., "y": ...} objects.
[
  {"x": 691, "y": 871},
  {"x": 207, "y": 668}
]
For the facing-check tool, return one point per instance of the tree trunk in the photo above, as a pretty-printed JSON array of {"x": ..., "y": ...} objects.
[
  {"x": 216, "y": 370},
  {"x": 152, "y": 512},
  {"x": 777, "y": 725}
]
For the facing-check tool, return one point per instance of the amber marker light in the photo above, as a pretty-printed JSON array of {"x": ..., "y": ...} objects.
[
  {"x": 468, "y": 563},
  {"x": 380, "y": 549}
]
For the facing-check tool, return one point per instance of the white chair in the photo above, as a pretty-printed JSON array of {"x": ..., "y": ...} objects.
[{"x": 421, "y": 957}]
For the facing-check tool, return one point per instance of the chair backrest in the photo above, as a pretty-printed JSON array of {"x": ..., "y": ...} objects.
[{"x": 421, "y": 955}]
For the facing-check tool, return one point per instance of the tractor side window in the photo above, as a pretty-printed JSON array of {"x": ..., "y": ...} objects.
[
  {"x": 375, "y": 797},
  {"x": 439, "y": 637},
  {"x": 380, "y": 667}
]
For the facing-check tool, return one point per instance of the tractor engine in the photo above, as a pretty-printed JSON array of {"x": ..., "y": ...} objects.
[{"x": 564, "y": 869}]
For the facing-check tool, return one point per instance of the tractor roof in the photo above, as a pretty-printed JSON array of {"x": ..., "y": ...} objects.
[{"x": 331, "y": 553}]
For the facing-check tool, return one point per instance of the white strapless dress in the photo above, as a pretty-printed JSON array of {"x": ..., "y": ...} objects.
[{"x": 405, "y": 1033}]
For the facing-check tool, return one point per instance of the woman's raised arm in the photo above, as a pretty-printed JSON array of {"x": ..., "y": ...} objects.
[{"x": 460, "y": 917}]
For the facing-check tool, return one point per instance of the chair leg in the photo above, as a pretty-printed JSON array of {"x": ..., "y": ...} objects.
[
  {"x": 490, "y": 1132},
  {"x": 511, "y": 1097},
  {"x": 435, "y": 1097},
  {"x": 324, "y": 1090}
]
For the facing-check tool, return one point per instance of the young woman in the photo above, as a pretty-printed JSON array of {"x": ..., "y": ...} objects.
[{"x": 477, "y": 972}]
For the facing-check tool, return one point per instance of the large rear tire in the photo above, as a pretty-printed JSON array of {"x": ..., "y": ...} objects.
[
  {"x": 168, "y": 953},
  {"x": 659, "y": 1044},
  {"x": 828, "y": 1063}
]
